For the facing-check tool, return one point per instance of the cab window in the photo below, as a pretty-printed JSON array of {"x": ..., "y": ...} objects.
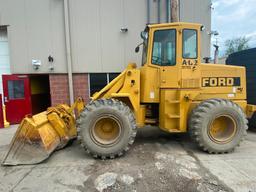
[
  {"x": 164, "y": 48},
  {"x": 189, "y": 44},
  {"x": 145, "y": 52}
]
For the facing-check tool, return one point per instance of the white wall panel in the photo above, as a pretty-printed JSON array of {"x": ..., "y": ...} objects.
[
  {"x": 135, "y": 19},
  {"x": 112, "y": 40},
  {"x": 198, "y": 11},
  {"x": 36, "y": 30},
  {"x": 14, "y": 16},
  {"x": 57, "y": 36},
  {"x": 85, "y": 35}
]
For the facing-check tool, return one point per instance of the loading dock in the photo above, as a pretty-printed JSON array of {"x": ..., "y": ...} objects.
[{"x": 25, "y": 95}]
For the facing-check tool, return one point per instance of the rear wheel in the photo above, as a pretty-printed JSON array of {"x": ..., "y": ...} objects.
[
  {"x": 217, "y": 125},
  {"x": 106, "y": 128}
]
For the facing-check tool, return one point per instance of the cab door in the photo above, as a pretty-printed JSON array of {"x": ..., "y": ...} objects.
[
  {"x": 190, "y": 68},
  {"x": 164, "y": 56}
]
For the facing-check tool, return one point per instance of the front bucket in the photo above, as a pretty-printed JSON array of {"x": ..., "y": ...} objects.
[{"x": 33, "y": 142}]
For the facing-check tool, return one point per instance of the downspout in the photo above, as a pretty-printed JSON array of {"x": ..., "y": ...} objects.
[
  {"x": 175, "y": 10},
  {"x": 148, "y": 11},
  {"x": 68, "y": 51},
  {"x": 158, "y": 11},
  {"x": 168, "y": 11},
  {"x": 179, "y": 10}
]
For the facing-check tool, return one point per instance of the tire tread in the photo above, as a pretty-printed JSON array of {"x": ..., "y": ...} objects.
[
  {"x": 197, "y": 116},
  {"x": 118, "y": 105}
]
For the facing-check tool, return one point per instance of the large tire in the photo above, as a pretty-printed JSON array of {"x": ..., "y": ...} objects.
[
  {"x": 217, "y": 125},
  {"x": 106, "y": 128}
]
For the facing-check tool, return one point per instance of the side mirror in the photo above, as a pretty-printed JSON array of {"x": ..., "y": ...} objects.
[
  {"x": 144, "y": 35},
  {"x": 137, "y": 49}
]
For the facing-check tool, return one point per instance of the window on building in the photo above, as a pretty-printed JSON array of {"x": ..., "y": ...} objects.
[
  {"x": 16, "y": 89},
  {"x": 100, "y": 80},
  {"x": 112, "y": 76},
  {"x": 97, "y": 82},
  {"x": 189, "y": 44},
  {"x": 164, "y": 48}
]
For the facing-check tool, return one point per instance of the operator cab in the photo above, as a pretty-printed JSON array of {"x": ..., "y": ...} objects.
[
  {"x": 171, "y": 51},
  {"x": 167, "y": 41}
]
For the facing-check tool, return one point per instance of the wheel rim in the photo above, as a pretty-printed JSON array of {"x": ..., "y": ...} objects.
[
  {"x": 106, "y": 130},
  {"x": 222, "y": 129}
]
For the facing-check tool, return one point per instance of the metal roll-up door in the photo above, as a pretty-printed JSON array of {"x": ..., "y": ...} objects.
[{"x": 4, "y": 55}]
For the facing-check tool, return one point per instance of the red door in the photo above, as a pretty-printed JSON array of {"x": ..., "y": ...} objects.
[{"x": 16, "y": 97}]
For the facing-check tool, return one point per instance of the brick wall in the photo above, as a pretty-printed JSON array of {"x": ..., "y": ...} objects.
[
  {"x": 80, "y": 85},
  {"x": 59, "y": 87}
]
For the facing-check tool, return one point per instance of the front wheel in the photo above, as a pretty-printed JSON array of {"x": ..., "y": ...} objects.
[
  {"x": 106, "y": 128},
  {"x": 217, "y": 125}
]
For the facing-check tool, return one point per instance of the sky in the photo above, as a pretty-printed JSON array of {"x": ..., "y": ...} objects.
[{"x": 234, "y": 18}]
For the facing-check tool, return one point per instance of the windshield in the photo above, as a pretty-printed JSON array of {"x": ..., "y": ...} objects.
[{"x": 164, "y": 48}]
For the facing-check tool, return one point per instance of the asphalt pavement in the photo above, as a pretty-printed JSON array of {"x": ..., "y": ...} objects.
[{"x": 157, "y": 162}]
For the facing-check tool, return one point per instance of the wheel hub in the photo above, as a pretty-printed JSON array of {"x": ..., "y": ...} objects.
[
  {"x": 222, "y": 129},
  {"x": 106, "y": 130}
]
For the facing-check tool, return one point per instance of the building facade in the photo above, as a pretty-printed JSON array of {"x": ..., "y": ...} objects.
[{"x": 103, "y": 35}]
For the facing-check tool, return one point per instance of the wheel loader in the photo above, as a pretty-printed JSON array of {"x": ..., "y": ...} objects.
[{"x": 172, "y": 89}]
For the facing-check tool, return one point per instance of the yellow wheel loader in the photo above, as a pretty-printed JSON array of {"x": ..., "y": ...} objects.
[{"x": 173, "y": 90}]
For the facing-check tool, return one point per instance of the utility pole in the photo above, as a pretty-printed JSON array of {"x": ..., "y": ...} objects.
[
  {"x": 216, "y": 54},
  {"x": 174, "y": 10}
]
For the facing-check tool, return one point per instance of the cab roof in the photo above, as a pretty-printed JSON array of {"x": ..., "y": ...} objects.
[{"x": 175, "y": 24}]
